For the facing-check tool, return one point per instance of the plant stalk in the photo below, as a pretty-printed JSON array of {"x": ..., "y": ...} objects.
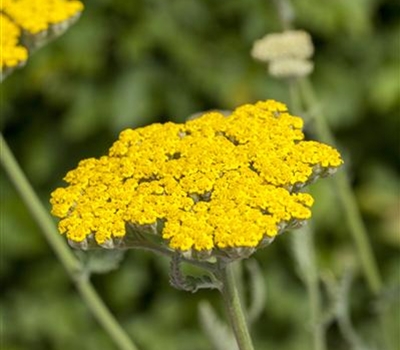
[
  {"x": 314, "y": 293},
  {"x": 304, "y": 246},
  {"x": 345, "y": 194},
  {"x": 234, "y": 308},
  {"x": 64, "y": 254}
]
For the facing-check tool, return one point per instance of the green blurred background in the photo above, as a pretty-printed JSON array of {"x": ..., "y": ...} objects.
[{"x": 131, "y": 63}]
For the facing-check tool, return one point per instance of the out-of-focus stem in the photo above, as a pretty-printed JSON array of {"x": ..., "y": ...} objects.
[
  {"x": 295, "y": 98},
  {"x": 305, "y": 254},
  {"x": 66, "y": 257},
  {"x": 304, "y": 249},
  {"x": 345, "y": 194}
]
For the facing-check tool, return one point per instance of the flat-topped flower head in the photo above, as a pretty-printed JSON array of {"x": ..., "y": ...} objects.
[
  {"x": 213, "y": 186},
  {"x": 27, "y": 24}
]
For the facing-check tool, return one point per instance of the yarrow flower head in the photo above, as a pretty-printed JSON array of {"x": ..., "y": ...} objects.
[
  {"x": 27, "y": 24},
  {"x": 287, "y": 53},
  {"x": 213, "y": 186}
]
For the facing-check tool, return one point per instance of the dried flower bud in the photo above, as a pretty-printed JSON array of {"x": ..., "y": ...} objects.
[
  {"x": 286, "y": 45},
  {"x": 290, "y": 68}
]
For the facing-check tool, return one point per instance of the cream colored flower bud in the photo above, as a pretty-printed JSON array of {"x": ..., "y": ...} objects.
[
  {"x": 290, "y": 68},
  {"x": 277, "y": 46}
]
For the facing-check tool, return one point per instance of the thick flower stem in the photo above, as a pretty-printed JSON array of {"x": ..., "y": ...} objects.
[
  {"x": 236, "y": 315},
  {"x": 66, "y": 257},
  {"x": 345, "y": 194}
]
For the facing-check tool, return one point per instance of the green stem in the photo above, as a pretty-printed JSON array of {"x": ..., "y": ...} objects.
[
  {"x": 305, "y": 255},
  {"x": 295, "y": 97},
  {"x": 64, "y": 254},
  {"x": 314, "y": 293},
  {"x": 231, "y": 299},
  {"x": 103, "y": 315},
  {"x": 345, "y": 194},
  {"x": 285, "y": 12}
]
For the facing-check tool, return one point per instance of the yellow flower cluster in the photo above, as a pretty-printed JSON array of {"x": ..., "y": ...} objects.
[
  {"x": 12, "y": 54},
  {"x": 214, "y": 183},
  {"x": 32, "y": 17}
]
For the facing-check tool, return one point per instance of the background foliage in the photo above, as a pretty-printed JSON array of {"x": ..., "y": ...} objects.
[{"x": 131, "y": 63}]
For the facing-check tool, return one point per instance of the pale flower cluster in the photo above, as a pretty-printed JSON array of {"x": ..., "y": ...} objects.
[{"x": 287, "y": 53}]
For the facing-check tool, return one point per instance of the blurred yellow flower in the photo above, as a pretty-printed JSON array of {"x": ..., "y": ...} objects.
[
  {"x": 36, "y": 19},
  {"x": 12, "y": 54},
  {"x": 213, "y": 183}
]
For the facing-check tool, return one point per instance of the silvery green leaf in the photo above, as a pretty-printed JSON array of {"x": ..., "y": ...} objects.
[
  {"x": 258, "y": 291},
  {"x": 217, "y": 331},
  {"x": 343, "y": 314},
  {"x": 189, "y": 283},
  {"x": 100, "y": 260}
]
